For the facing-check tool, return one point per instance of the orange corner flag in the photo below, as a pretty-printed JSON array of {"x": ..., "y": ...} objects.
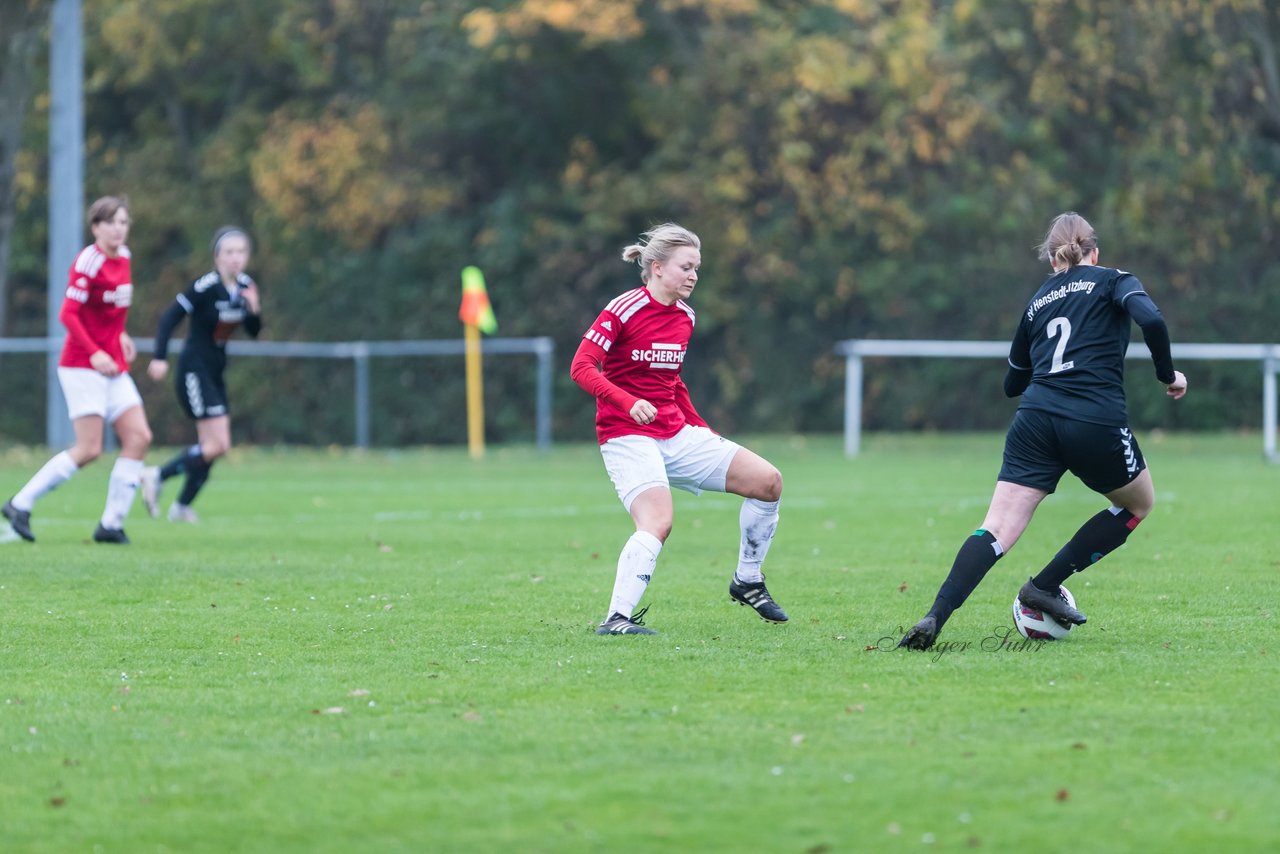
[{"x": 475, "y": 309}]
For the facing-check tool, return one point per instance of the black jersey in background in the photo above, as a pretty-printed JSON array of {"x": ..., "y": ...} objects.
[{"x": 215, "y": 312}]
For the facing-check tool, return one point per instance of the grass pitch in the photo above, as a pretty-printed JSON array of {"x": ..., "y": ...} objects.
[{"x": 394, "y": 652}]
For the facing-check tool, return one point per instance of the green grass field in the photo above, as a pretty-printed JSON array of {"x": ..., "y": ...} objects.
[{"x": 393, "y": 651}]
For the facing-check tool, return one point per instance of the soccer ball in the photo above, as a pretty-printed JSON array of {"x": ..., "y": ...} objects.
[{"x": 1033, "y": 624}]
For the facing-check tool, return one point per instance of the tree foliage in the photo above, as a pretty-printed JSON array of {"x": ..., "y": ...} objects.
[{"x": 856, "y": 168}]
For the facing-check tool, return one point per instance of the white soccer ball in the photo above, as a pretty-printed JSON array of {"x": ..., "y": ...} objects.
[{"x": 1033, "y": 624}]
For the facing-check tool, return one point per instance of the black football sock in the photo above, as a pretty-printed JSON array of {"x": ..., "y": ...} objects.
[
  {"x": 197, "y": 474},
  {"x": 178, "y": 464},
  {"x": 977, "y": 555},
  {"x": 1096, "y": 539}
]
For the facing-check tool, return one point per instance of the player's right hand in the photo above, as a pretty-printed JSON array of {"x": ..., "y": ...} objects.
[
  {"x": 104, "y": 364},
  {"x": 643, "y": 412},
  {"x": 1178, "y": 387},
  {"x": 157, "y": 369}
]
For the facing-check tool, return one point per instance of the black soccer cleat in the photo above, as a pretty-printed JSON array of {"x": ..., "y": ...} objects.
[
  {"x": 1052, "y": 604},
  {"x": 110, "y": 535},
  {"x": 756, "y": 595},
  {"x": 19, "y": 520},
  {"x": 922, "y": 634},
  {"x": 617, "y": 624}
]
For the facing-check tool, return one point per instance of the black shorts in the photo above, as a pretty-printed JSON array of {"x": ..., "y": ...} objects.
[
  {"x": 1041, "y": 447},
  {"x": 201, "y": 394}
]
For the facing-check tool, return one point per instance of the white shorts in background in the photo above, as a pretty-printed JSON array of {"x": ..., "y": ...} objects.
[
  {"x": 693, "y": 460},
  {"x": 90, "y": 393}
]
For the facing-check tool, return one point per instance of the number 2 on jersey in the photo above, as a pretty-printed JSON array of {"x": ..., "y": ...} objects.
[{"x": 1062, "y": 327}]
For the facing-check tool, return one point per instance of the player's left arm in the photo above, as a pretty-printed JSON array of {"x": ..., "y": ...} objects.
[
  {"x": 1155, "y": 332},
  {"x": 253, "y": 302}
]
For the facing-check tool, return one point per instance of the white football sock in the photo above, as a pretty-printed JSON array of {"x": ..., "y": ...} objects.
[
  {"x": 758, "y": 521},
  {"x": 635, "y": 568},
  {"x": 52, "y": 473},
  {"x": 121, "y": 490}
]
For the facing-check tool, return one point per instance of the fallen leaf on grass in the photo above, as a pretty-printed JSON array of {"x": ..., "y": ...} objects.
[
  {"x": 902, "y": 588},
  {"x": 57, "y": 802},
  {"x": 1063, "y": 794}
]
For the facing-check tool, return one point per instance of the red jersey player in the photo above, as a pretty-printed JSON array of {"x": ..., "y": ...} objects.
[
  {"x": 652, "y": 438},
  {"x": 94, "y": 375}
]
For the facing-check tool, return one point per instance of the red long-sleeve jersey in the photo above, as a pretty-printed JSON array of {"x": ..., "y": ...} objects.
[
  {"x": 99, "y": 292},
  {"x": 633, "y": 351}
]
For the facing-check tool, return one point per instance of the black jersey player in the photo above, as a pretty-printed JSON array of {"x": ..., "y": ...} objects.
[
  {"x": 1067, "y": 362},
  {"x": 216, "y": 303}
]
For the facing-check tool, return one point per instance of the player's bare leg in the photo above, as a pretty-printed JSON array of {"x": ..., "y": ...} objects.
[{"x": 760, "y": 484}]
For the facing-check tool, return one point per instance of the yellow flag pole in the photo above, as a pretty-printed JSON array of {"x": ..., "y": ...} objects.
[{"x": 475, "y": 391}]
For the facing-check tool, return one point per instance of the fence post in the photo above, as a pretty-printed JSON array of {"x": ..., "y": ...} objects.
[
  {"x": 545, "y": 350},
  {"x": 66, "y": 192},
  {"x": 1269, "y": 404},
  {"x": 852, "y": 403},
  {"x": 360, "y": 353}
]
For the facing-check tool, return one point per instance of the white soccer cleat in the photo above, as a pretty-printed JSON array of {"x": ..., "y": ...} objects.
[
  {"x": 182, "y": 513},
  {"x": 149, "y": 481}
]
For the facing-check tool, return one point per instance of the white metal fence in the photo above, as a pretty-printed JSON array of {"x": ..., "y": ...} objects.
[
  {"x": 360, "y": 353},
  {"x": 857, "y": 349}
]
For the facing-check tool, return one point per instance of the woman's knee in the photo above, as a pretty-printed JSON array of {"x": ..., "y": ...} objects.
[
  {"x": 766, "y": 485},
  {"x": 136, "y": 441},
  {"x": 214, "y": 448},
  {"x": 660, "y": 527},
  {"x": 85, "y": 451},
  {"x": 771, "y": 485},
  {"x": 1138, "y": 496},
  {"x": 1141, "y": 507}
]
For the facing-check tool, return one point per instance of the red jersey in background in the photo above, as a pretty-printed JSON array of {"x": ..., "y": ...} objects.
[{"x": 99, "y": 292}]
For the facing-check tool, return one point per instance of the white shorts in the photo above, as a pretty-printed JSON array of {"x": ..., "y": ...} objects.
[
  {"x": 90, "y": 393},
  {"x": 693, "y": 460}
]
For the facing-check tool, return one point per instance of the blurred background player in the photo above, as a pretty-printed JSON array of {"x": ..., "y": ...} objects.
[
  {"x": 94, "y": 374},
  {"x": 652, "y": 438},
  {"x": 217, "y": 303},
  {"x": 1067, "y": 362}
]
